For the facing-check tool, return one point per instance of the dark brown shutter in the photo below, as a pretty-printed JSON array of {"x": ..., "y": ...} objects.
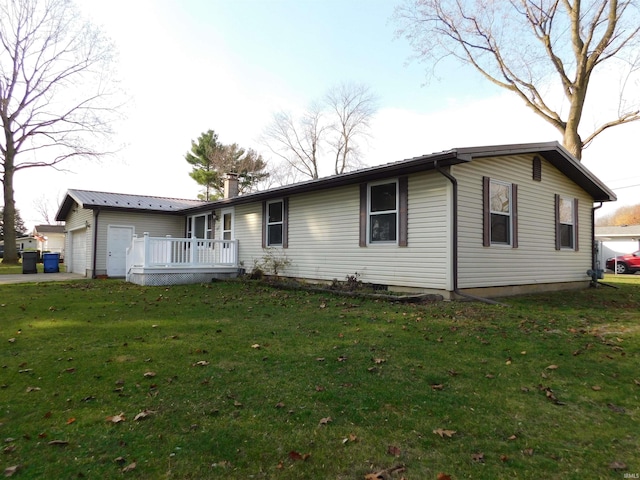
[
  {"x": 403, "y": 220},
  {"x": 486, "y": 213},
  {"x": 285, "y": 222},
  {"x": 575, "y": 222},
  {"x": 514, "y": 214},
  {"x": 363, "y": 214},
  {"x": 264, "y": 224},
  {"x": 557, "y": 219}
]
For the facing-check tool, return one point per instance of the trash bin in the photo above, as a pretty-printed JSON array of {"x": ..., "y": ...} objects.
[
  {"x": 51, "y": 262},
  {"x": 29, "y": 261}
]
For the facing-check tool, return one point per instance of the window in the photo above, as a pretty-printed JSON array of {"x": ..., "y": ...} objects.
[
  {"x": 275, "y": 223},
  {"x": 200, "y": 226},
  {"x": 500, "y": 213},
  {"x": 383, "y": 213},
  {"x": 566, "y": 223}
]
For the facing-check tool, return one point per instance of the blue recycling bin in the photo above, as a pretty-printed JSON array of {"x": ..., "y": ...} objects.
[{"x": 51, "y": 262}]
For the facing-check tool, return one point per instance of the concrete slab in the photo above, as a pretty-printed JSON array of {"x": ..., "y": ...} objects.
[{"x": 39, "y": 277}]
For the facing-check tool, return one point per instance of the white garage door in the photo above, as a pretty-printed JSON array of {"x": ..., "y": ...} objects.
[{"x": 79, "y": 251}]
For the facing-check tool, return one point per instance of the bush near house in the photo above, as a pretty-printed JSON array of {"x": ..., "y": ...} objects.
[{"x": 237, "y": 380}]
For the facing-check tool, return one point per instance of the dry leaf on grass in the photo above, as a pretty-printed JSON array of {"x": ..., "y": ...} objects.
[
  {"x": 618, "y": 465},
  {"x": 116, "y": 418},
  {"x": 58, "y": 443},
  {"x": 293, "y": 455},
  {"x": 149, "y": 374},
  {"x": 393, "y": 450},
  {"x": 201, "y": 363},
  {"x": 444, "y": 433},
  {"x": 10, "y": 471},
  {"x": 325, "y": 421},
  {"x": 129, "y": 468},
  {"x": 385, "y": 474},
  {"x": 143, "y": 414}
]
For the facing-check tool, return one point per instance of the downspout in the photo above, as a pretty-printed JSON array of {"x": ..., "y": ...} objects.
[
  {"x": 454, "y": 239},
  {"x": 595, "y": 273},
  {"x": 96, "y": 213}
]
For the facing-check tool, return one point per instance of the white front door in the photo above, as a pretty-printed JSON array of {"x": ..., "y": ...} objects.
[
  {"x": 118, "y": 240},
  {"x": 228, "y": 249}
]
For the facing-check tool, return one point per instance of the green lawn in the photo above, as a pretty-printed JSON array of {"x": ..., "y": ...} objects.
[{"x": 236, "y": 380}]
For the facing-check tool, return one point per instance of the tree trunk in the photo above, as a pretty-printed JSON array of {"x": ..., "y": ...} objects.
[
  {"x": 9, "y": 212},
  {"x": 572, "y": 142}
]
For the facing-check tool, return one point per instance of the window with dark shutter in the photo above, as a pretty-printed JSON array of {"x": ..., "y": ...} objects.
[{"x": 500, "y": 213}]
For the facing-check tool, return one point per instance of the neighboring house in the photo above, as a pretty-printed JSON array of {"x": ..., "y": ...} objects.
[
  {"x": 482, "y": 221},
  {"x": 25, "y": 244},
  {"x": 614, "y": 241},
  {"x": 50, "y": 239}
]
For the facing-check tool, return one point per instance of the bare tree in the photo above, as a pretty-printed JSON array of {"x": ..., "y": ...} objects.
[
  {"x": 46, "y": 209},
  {"x": 334, "y": 125},
  {"x": 353, "y": 107},
  {"x": 297, "y": 141},
  {"x": 57, "y": 97},
  {"x": 525, "y": 45}
]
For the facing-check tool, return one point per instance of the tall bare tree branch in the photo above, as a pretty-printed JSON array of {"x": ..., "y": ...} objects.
[
  {"x": 530, "y": 46},
  {"x": 58, "y": 97}
]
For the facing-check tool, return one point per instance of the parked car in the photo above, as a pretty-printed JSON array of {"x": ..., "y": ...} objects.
[
  {"x": 629, "y": 263},
  {"x": 2, "y": 252}
]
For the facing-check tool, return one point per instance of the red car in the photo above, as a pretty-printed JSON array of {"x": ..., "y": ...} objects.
[{"x": 629, "y": 263}]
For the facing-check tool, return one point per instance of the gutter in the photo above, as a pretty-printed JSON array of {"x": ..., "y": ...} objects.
[
  {"x": 96, "y": 213},
  {"x": 454, "y": 239}
]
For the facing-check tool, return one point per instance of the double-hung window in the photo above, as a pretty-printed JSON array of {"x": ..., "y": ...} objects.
[
  {"x": 500, "y": 213},
  {"x": 566, "y": 223},
  {"x": 275, "y": 223},
  {"x": 383, "y": 212}
]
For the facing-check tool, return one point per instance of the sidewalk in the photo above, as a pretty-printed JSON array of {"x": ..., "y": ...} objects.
[{"x": 39, "y": 277}]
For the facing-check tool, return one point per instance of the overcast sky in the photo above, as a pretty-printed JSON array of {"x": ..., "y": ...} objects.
[{"x": 227, "y": 65}]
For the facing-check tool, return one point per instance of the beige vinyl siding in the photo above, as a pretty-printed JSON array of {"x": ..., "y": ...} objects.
[
  {"x": 157, "y": 225},
  {"x": 324, "y": 237},
  {"x": 535, "y": 260}
]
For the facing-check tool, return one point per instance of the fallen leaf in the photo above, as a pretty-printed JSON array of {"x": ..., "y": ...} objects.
[
  {"x": 342, "y": 358},
  {"x": 478, "y": 457},
  {"x": 129, "y": 468},
  {"x": 438, "y": 386},
  {"x": 279, "y": 405},
  {"x": 504, "y": 458},
  {"x": 48, "y": 414},
  {"x": 443, "y": 476},
  {"x": 325, "y": 420},
  {"x": 378, "y": 361},
  {"x": 10, "y": 471},
  {"x": 393, "y": 450},
  {"x": 319, "y": 388},
  {"x": 293, "y": 455},
  {"x": 512, "y": 437},
  {"x": 552, "y": 367},
  {"x": 149, "y": 374},
  {"x": 143, "y": 414},
  {"x": 237, "y": 404},
  {"x": 201, "y": 363},
  {"x": 596, "y": 388},
  {"x": 618, "y": 465},
  {"x": 385, "y": 474},
  {"x": 9, "y": 449},
  {"x": 443, "y": 432},
  {"x": 256, "y": 346},
  {"x": 58, "y": 443},
  {"x": 528, "y": 452},
  {"x": 616, "y": 408},
  {"x": 33, "y": 389},
  {"x": 12, "y": 340},
  {"x": 116, "y": 418},
  {"x": 70, "y": 421},
  {"x": 637, "y": 382},
  {"x": 120, "y": 460}
]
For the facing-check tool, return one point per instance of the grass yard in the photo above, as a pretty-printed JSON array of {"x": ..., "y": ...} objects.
[{"x": 235, "y": 380}]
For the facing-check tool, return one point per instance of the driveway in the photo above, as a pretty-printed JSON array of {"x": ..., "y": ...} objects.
[{"x": 39, "y": 277}]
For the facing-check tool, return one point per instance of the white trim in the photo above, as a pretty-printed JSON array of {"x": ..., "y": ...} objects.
[{"x": 396, "y": 212}]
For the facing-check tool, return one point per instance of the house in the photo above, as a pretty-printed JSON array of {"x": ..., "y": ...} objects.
[
  {"x": 50, "y": 239},
  {"x": 485, "y": 221},
  {"x": 616, "y": 240},
  {"x": 100, "y": 227}
]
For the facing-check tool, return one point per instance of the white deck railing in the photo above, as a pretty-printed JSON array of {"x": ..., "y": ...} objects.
[{"x": 166, "y": 252}]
